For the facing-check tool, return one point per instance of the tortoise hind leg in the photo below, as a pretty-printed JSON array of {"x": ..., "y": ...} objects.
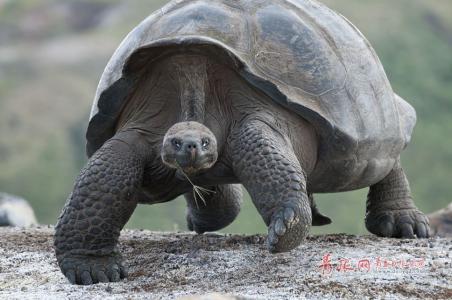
[
  {"x": 318, "y": 219},
  {"x": 221, "y": 207},
  {"x": 391, "y": 211}
]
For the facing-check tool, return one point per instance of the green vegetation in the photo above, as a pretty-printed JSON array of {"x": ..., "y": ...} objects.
[{"x": 50, "y": 65}]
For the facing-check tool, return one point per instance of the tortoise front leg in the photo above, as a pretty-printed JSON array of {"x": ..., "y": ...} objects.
[
  {"x": 264, "y": 162},
  {"x": 103, "y": 200}
]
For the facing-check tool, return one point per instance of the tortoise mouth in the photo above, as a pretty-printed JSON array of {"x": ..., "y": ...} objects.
[{"x": 187, "y": 166}]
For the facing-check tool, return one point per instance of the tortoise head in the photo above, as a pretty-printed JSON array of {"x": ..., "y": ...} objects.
[{"x": 189, "y": 146}]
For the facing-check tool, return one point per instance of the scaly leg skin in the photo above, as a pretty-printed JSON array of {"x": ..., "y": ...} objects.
[
  {"x": 266, "y": 165},
  {"x": 103, "y": 200},
  {"x": 391, "y": 211},
  {"x": 221, "y": 207}
]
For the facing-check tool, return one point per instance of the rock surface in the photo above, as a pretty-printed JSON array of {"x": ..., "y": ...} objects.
[{"x": 173, "y": 265}]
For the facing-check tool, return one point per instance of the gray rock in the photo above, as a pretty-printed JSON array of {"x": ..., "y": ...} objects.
[
  {"x": 441, "y": 222},
  {"x": 15, "y": 211}
]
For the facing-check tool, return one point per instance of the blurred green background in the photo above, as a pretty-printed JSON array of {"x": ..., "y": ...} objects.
[{"x": 53, "y": 52}]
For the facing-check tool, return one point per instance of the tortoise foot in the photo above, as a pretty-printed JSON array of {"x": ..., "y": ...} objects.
[
  {"x": 286, "y": 230},
  {"x": 400, "y": 223},
  {"x": 87, "y": 270},
  {"x": 195, "y": 226},
  {"x": 205, "y": 222}
]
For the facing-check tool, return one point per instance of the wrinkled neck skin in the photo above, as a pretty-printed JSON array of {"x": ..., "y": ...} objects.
[{"x": 191, "y": 74}]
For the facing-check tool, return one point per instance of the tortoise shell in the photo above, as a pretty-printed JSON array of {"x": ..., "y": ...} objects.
[{"x": 300, "y": 53}]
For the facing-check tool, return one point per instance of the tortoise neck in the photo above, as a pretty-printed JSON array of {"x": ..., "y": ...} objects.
[{"x": 192, "y": 76}]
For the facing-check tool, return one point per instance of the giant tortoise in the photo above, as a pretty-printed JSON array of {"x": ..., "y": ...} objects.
[{"x": 285, "y": 97}]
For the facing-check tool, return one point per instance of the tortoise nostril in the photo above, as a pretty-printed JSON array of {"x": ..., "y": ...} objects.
[{"x": 191, "y": 145}]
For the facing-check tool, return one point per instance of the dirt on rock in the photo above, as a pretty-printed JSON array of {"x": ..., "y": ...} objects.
[{"x": 174, "y": 265}]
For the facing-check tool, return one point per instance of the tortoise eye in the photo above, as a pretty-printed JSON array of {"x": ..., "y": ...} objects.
[
  {"x": 205, "y": 142},
  {"x": 176, "y": 143}
]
